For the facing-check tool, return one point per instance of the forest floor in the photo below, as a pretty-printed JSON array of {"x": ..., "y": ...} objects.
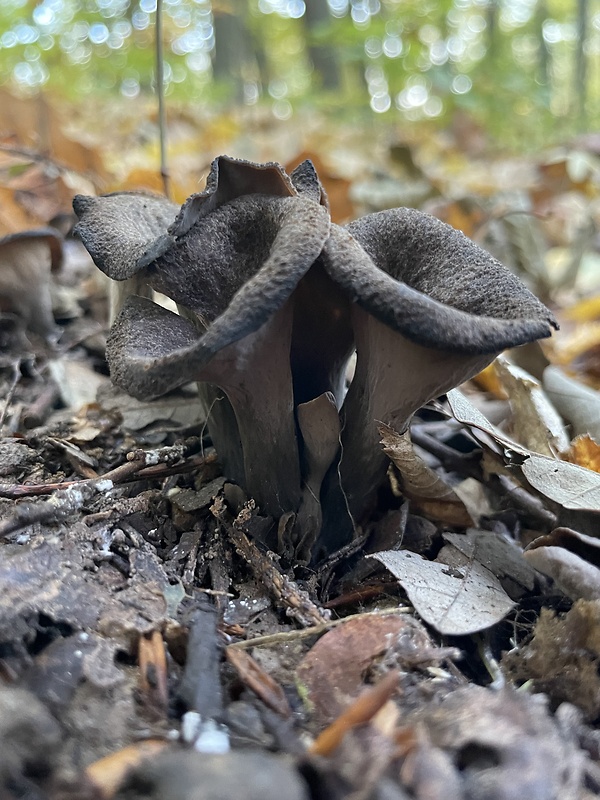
[{"x": 151, "y": 644}]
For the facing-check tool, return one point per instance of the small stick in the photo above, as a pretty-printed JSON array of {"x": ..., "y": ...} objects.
[
  {"x": 362, "y": 710},
  {"x": 153, "y": 671},
  {"x": 298, "y": 603},
  {"x": 160, "y": 93},
  {"x": 200, "y": 686},
  {"x": 17, "y": 490},
  {"x": 68, "y": 499},
  {"x": 9, "y": 396},
  {"x": 293, "y": 636}
]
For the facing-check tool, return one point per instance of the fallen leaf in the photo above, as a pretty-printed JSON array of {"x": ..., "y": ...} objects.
[
  {"x": 78, "y": 383},
  {"x": 455, "y": 600},
  {"x": 575, "y": 577},
  {"x": 428, "y": 492},
  {"x": 585, "y": 452},
  {"x": 13, "y": 217},
  {"x": 535, "y": 422},
  {"x": 334, "y": 669},
  {"x": 585, "y": 310},
  {"x": 487, "y": 380},
  {"x": 108, "y": 773},
  {"x": 465, "y": 412},
  {"x": 337, "y": 187},
  {"x": 179, "y": 409},
  {"x": 578, "y": 404},
  {"x": 501, "y": 555},
  {"x": 571, "y": 486},
  {"x": 578, "y": 350},
  {"x": 571, "y": 559}
]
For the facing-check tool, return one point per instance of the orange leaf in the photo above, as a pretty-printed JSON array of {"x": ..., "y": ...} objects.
[
  {"x": 107, "y": 773},
  {"x": 585, "y": 452}
]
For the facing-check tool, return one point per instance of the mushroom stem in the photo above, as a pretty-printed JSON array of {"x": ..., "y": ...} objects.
[
  {"x": 394, "y": 377},
  {"x": 255, "y": 375}
]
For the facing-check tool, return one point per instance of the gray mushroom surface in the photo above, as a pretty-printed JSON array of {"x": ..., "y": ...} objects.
[{"x": 274, "y": 298}]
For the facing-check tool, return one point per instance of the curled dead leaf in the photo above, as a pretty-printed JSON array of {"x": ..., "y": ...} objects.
[
  {"x": 427, "y": 491},
  {"x": 535, "y": 422}
]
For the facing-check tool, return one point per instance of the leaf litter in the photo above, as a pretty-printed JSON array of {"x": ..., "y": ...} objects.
[{"x": 125, "y": 592}]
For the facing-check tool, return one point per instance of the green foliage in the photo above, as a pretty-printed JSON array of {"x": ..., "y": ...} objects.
[{"x": 509, "y": 63}]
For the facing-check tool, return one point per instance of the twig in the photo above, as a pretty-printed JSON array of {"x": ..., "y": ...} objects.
[
  {"x": 451, "y": 459},
  {"x": 66, "y": 501},
  {"x": 362, "y": 710},
  {"x": 18, "y": 490},
  {"x": 160, "y": 93},
  {"x": 525, "y": 502},
  {"x": 9, "y": 395},
  {"x": 33, "y": 155},
  {"x": 287, "y": 592},
  {"x": 315, "y": 630},
  {"x": 200, "y": 686}
]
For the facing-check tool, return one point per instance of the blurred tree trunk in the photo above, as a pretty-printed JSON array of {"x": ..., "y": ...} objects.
[
  {"x": 580, "y": 88},
  {"x": 323, "y": 56},
  {"x": 231, "y": 50},
  {"x": 492, "y": 27}
]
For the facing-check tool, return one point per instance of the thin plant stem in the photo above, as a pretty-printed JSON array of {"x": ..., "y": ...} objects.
[{"x": 160, "y": 93}]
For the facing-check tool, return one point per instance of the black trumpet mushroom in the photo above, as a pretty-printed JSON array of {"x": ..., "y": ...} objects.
[{"x": 274, "y": 298}]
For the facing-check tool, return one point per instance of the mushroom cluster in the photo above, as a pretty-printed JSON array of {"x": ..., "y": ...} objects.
[{"x": 274, "y": 299}]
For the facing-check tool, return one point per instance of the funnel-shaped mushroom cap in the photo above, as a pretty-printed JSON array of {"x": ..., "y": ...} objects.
[
  {"x": 434, "y": 285},
  {"x": 431, "y": 309},
  {"x": 119, "y": 229},
  {"x": 232, "y": 258}
]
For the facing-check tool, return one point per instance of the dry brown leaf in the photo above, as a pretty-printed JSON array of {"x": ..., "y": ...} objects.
[
  {"x": 501, "y": 555},
  {"x": 427, "y": 491},
  {"x": 13, "y": 217},
  {"x": 571, "y": 559},
  {"x": 578, "y": 351},
  {"x": 146, "y": 179},
  {"x": 488, "y": 380},
  {"x": 571, "y": 486},
  {"x": 574, "y": 576},
  {"x": 535, "y": 422},
  {"x": 586, "y": 310},
  {"x": 334, "y": 669},
  {"x": 468, "y": 414},
  {"x": 337, "y": 188},
  {"x": 578, "y": 404}
]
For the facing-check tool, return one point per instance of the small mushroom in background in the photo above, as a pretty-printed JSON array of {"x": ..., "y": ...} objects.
[
  {"x": 273, "y": 301},
  {"x": 27, "y": 259}
]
